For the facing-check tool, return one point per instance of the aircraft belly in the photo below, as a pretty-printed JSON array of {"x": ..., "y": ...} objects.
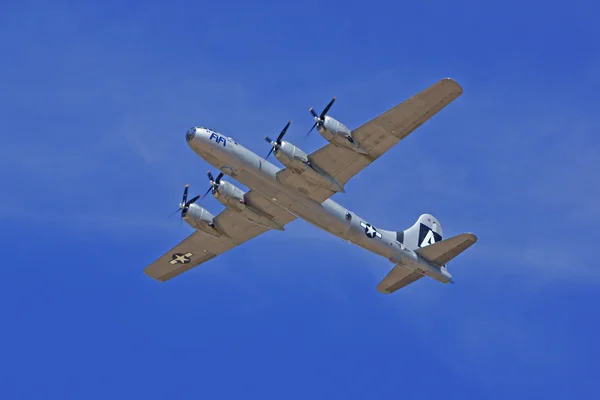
[
  {"x": 329, "y": 216},
  {"x": 369, "y": 239},
  {"x": 254, "y": 176}
]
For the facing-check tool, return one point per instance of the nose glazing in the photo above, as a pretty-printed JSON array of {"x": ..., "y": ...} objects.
[{"x": 189, "y": 135}]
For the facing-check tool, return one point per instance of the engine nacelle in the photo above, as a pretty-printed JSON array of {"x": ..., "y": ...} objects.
[
  {"x": 229, "y": 195},
  {"x": 199, "y": 218},
  {"x": 338, "y": 134},
  {"x": 234, "y": 198},
  {"x": 297, "y": 161},
  {"x": 292, "y": 157}
]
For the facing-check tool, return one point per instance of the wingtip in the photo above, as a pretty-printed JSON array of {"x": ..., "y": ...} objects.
[
  {"x": 148, "y": 272},
  {"x": 454, "y": 83},
  {"x": 472, "y": 236},
  {"x": 382, "y": 290}
]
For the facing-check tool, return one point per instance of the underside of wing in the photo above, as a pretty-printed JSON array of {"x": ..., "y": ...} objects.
[
  {"x": 398, "y": 278},
  {"x": 200, "y": 247},
  {"x": 196, "y": 249},
  {"x": 376, "y": 136}
]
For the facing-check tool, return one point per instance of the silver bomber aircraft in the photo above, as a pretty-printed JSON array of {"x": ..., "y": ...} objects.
[{"x": 303, "y": 189}]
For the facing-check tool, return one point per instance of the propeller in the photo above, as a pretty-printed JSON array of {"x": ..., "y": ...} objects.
[
  {"x": 214, "y": 183},
  {"x": 184, "y": 203},
  {"x": 278, "y": 141},
  {"x": 319, "y": 119}
]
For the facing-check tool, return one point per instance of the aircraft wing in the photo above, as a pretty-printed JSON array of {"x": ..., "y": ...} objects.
[
  {"x": 200, "y": 247},
  {"x": 376, "y": 136}
]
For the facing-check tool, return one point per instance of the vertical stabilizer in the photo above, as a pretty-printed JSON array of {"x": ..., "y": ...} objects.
[{"x": 426, "y": 231}]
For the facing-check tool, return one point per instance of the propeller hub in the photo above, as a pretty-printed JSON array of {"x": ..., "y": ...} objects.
[
  {"x": 185, "y": 204},
  {"x": 319, "y": 119},
  {"x": 275, "y": 145},
  {"x": 214, "y": 183}
]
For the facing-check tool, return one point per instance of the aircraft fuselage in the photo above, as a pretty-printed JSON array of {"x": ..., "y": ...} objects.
[{"x": 260, "y": 175}]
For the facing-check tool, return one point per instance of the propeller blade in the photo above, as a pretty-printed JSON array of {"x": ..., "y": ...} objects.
[
  {"x": 213, "y": 182},
  {"x": 311, "y": 129},
  {"x": 270, "y": 151},
  {"x": 187, "y": 205},
  {"x": 173, "y": 213},
  {"x": 185, "y": 193},
  {"x": 283, "y": 132},
  {"x": 192, "y": 201},
  {"x": 268, "y": 139},
  {"x": 327, "y": 108},
  {"x": 278, "y": 141},
  {"x": 319, "y": 119},
  {"x": 184, "y": 204}
]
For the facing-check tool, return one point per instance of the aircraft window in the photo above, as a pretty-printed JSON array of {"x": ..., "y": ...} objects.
[{"x": 348, "y": 216}]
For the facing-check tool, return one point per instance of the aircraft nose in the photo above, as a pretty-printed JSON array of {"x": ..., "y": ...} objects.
[{"x": 190, "y": 134}]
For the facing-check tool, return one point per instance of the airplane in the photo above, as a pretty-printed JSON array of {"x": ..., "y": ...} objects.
[{"x": 302, "y": 189}]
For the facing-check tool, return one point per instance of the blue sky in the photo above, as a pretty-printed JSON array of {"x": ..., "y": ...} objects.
[{"x": 96, "y": 99}]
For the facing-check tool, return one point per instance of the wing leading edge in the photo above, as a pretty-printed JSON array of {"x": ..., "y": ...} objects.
[
  {"x": 200, "y": 247},
  {"x": 376, "y": 136}
]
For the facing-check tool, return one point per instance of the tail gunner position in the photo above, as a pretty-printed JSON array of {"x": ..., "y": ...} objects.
[{"x": 302, "y": 189}]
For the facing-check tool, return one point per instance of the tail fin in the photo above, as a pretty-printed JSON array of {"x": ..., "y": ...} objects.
[{"x": 427, "y": 230}]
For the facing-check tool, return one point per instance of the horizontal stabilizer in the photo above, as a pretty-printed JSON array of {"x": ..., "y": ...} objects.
[
  {"x": 441, "y": 252},
  {"x": 398, "y": 278}
]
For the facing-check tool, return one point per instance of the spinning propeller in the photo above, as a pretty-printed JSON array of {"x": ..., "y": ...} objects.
[
  {"x": 214, "y": 183},
  {"x": 184, "y": 203},
  {"x": 319, "y": 119},
  {"x": 278, "y": 141}
]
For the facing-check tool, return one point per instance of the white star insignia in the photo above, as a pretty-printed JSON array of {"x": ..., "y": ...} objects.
[
  {"x": 179, "y": 258},
  {"x": 370, "y": 231}
]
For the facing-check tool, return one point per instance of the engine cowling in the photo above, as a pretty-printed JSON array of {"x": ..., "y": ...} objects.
[
  {"x": 339, "y": 134},
  {"x": 229, "y": 195},
  {"x": 292, "y": 157},
  {"x": 335, "y": 127},
  {"x": 199, "y": 218},
  {"x": 298, "y": 162}
]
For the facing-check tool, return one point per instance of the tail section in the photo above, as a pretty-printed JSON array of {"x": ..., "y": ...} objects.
[
  {"x": 426, "y": 231},
  {"x": 441, "y": 253},
  {"x": 425, "y": 238}
]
